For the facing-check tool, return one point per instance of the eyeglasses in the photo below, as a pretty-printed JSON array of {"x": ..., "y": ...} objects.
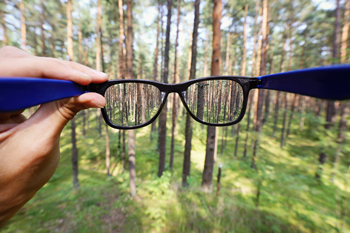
[{"x": 215, "y": 101}]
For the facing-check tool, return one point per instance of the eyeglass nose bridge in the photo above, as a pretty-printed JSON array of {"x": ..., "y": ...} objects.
[{"x": 178, "y": 88}]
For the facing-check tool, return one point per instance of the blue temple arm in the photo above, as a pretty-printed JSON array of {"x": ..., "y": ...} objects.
[
  {"x": 21, "y": 92},
  {"x": 328, "y": 82}
]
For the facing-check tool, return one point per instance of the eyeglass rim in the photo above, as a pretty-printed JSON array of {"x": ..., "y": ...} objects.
[{"x": 247, "y": 83}]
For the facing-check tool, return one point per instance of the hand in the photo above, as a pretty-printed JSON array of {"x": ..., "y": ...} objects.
[{"x": 29, "y": 148}]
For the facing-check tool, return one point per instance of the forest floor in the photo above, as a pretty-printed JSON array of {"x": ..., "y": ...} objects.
[{"x": 290, "y": 200}]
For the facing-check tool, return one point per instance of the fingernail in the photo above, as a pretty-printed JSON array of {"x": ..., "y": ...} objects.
[
  {"x": 98, "y": 105},
  {"x": 101, "y": 74}
]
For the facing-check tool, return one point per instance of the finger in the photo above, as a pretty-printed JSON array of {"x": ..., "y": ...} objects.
[
  {"x": 42, "y": 68},
  {"x": 97, "y": 76},
  {"x": 4, "y": 117},
  {"x": 5, "y": 127},
  {"x": 13, "y": 52},
  {"x": 52, "y": 117}
]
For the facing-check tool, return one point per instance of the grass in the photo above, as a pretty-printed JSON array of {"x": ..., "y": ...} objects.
[{"x": 291, "y": 199}]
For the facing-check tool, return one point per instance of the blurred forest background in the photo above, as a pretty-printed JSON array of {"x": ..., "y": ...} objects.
[{"x": 283, "y": 168}]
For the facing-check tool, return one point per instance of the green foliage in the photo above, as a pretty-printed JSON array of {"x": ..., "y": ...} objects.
[{"x": 290, "y": 200}]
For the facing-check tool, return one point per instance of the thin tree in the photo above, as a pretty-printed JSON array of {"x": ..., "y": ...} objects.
[
  {"x": 244, "y": 65},
  {"x": 129, "y": 74},
  {"x": 251, "y": 96},
  {"x": 344, "y": 112},
  {"x": 285, "y": 95},
  {"x": 175, "y": 75},
  {"x": 330, "y": 110},
  {"x": 163, "y": 115},
  {"x": 189, "y": 122},
  {"x": 4, "y": 28},
  {"x": 42, "y": 30},
  {"x": 207, "y": 176},
  {"x": 101, "y": 56},
  {"x": 121, "y": 64},
  {"x": 23, "y": 27},
  {"x": 345, "y": 31},
  {"x": 258, "y": 124},
  {"x": 155, "y": 64},
  {"x": 71, "y": 58}
]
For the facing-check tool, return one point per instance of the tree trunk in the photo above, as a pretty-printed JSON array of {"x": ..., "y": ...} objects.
[
  {"x": 330, "y": 111},
  {"x": 237, "y": 138},
  {"x": 254, "y": 38},
  {"x": 155, "y": 65},
  {"x": 132, "y": 163},
  {"x": 205, "y": 68},
  {"x": 291, "y": 114},
  {"x": 227, "y": 60},
  {"x": 277, "y": 103},
  {"x": 121, "y": 41},
  {"x": 244, "y": 50},
  {"x": 121, "y": 65},
  {"x": 42, "y": 21},
  {"x": 267, "y": 107},
  {"x": 344, "y": 111},
  {"x": 71, "y": 58},
  {"x": 345, "y": 32},
  {"x": 23, "y": 27},
  {"x": 189, "y": 121},
  {"x": 108, "y": 152},
  {"x": 74, "y": 156},
  {"x": 284, "y": 118},
  {"x": 215, "y": 71},
  {"x": 260, "y": 92},
  {"x": 131, "y": 134},
  {"x": 70, "y": 31},
  {"x": 4, "y": 29},
  {"x": 251, "y": 96},
  {"x": 163, "y": 115},
  {"x": 174, "y": 109}
]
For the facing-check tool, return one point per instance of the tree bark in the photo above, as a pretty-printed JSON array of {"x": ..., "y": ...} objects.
[
  {"x": 108, "y": 152},
  {"x": 4, "y": 29},
  {"x": 344, "y": 112},
  {"x": 251, "y": 96},
  {"x": 129, "y": 74},
  {"x": 174, "y": 108},
  {"x": 284, "y": 118},
  {"x": 244, "y": 50},
  {"x": 163, "y": 115},
  {"x": 71, "y": 58},
  {"x": 330, "y": 111},
  {"x": 121, "y": 41},
  {"x": 215, "y": 71},
  {"x": 291, "y": 114},
  {"x": 345, "y": 32},
  {"x": 237, "y": 138},
  {"x": 132, "y": 163},
  {"x": 258, "y": 125},
  {"x": 23, "y": 27},
  {"x": 155, "y": 65},
  {"x": 42, "y": 21},
  {"x": 254, "y": 38},
  {"x": 189, "y": 121},
  {"x": 76, "y": 185},
  {"x": 277, "y": 103}
]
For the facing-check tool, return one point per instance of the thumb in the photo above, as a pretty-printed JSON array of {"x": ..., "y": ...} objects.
[{"x": 54, "y": 116}]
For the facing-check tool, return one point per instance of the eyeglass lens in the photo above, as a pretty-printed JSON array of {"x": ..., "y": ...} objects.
[
  {"x": 215, "y": 101},
  {"x": 212, "y": 101},
  {"x": 131, "y": 104}
]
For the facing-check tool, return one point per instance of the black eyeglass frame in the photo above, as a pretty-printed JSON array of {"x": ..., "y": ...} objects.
[{"x": 247, "y": 83}]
